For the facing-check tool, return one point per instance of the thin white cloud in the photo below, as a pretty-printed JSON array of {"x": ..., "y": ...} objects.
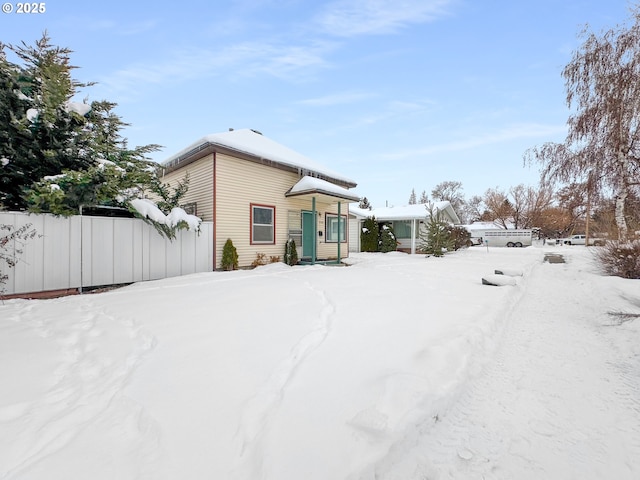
[
  {"x": 346, "y": 18},
  {"x": 246, "y": 59},
  {"x": 336, "y": 99},
  {"x": 392, "y": 110},
  {"x": 293, "y": 61},
  {"x": 508, "y": 134}
]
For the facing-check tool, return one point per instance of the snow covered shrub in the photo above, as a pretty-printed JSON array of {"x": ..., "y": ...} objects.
[
  {"x": 274, "y": 258},
  {"x": 387, "y": 239},
  {"x": 369, "y": 235},
  {"x": 229, "y": 256},
  {"x": 621, "y": 259},
  {"x": 290, "y": 252},
  {"x": 11, "y": 247}
]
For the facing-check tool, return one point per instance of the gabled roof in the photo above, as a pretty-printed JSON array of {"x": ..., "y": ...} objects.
[
  {"x": 254, "y": 146},
  {"x": 406, "y": 212}
]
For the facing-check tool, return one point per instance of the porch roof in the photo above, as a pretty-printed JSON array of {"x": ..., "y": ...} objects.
[
  {"x": 406, "y": 212},
  {"x": 325, "y": 191}
]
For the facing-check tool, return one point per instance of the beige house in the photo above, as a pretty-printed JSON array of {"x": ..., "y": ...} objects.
[{"x": 260, "y": 193}]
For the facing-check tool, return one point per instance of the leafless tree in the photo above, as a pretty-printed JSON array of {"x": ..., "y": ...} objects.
[
  {"x": 498, "y": 208},
  {"x": 571, "y": 200},
  {"x": 602, "y": 147},
  {"x": 451, "y": 192},
  {"x": 473, "y": 209},
  {"x": 522, "y": 207},
  {"x": 535, "y": 202}
]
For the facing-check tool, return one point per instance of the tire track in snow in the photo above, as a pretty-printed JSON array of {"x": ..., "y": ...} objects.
[
  {"x": 98, "y": 354},
  {"x": 429, "y": 409},
  {"x": 260, "y": 410}
]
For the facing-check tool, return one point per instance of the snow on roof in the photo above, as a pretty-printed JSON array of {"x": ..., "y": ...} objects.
[
  {"x": 312, "y": 185},
  {"x": 481, "y": 226},
  {"x": 359, "y": 212},
  {"x": 254, "y": 143},
  {"x": 406, "y": 212}
]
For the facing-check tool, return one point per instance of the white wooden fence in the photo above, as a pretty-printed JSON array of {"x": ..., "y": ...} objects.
[{"x": 83, "y": 251}]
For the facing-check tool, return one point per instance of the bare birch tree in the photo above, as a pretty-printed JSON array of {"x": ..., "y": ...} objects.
[{"x": 602, "y": 147}]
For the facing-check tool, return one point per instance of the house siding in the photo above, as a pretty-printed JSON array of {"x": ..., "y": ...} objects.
[
  {"x": 200, "y": 185},
  {"x": 241, "y": 183},
  {"x": 355, "y": 226}
]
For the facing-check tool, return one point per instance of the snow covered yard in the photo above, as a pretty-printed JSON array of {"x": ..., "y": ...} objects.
[{"x": 398, "y": 367}]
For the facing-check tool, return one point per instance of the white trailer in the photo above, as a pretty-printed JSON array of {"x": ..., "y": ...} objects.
[{"x": 499, "y": 237}]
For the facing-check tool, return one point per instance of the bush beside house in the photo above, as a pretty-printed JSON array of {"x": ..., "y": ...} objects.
[
  {"x": 290, "y": 252},
  {"x": 369, "y": 235},
  {"x": 387, "y": 239},
  {"x": 229, "y": 256}
]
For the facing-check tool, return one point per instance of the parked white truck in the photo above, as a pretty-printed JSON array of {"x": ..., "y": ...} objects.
[{"x": 581, "y": 240}]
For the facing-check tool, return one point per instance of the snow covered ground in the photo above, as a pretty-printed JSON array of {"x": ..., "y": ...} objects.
[{"x": 398, "y": 367}]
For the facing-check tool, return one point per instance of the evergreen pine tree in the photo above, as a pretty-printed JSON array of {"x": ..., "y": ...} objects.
[
  {"x": 412, "y": 197},
  {"x": 436, "y": 240},
  {"x": 424, "y": 199},
  {"x": 115, "y": 176},
  {"x": 369, "y": 235},
  {"x": 229, "y": 256},
  {"x": 56, "y": 155},
  {"x": 40, "y": 135},
  {"x": 364, "y": 204},
  {"x": 387, "y": 239}
]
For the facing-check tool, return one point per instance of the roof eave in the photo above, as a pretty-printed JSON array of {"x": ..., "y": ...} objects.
[
  {"x": 318, "y": 191},
  {"x": 207, "y": 147}
]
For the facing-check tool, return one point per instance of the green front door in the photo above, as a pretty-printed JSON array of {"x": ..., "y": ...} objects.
[{"x": 308, "y": 234}]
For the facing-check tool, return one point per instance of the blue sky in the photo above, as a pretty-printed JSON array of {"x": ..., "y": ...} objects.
[{"x": 393, "y": 94}]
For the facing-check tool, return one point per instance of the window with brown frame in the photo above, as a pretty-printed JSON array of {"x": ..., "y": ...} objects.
[{"x": 263, "y": 224}]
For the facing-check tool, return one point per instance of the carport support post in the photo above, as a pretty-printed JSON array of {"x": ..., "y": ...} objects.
[
  {"x": 339, "y": 232},
  {"x": 413, "y": 236}
]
